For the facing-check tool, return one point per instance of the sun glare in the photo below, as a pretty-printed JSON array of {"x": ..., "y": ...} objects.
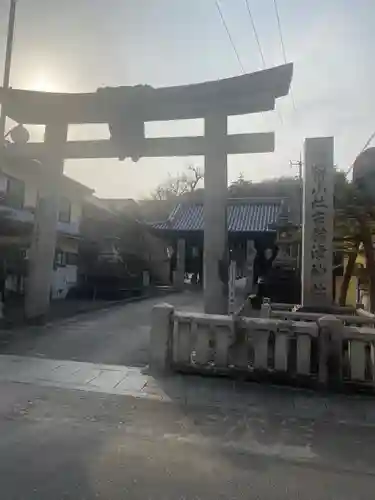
[{"x": 43, "y": 82}]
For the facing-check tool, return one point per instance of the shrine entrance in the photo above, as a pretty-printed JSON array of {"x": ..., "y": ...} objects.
[{"x": 125, "y": 110}]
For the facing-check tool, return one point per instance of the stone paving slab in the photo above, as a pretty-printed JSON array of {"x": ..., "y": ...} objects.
[
  {"x": 192, "y": 391},
  {"x": 110, "y": 379}
]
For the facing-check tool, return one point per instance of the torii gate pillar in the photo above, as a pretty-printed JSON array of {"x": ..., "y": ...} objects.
[
  {"x": 215, "y": 216},
  {"x": 42, "y": 251}
]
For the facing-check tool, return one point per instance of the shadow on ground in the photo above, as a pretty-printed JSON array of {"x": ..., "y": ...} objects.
[
  {"x": 73, "y": 444},
  {"x": 277, "y": 422}
]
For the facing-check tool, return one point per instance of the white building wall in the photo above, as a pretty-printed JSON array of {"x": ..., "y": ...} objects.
[{"x": 64, "y": 278}]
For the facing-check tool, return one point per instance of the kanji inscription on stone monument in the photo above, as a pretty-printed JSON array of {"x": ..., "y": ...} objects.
[{"x": 317, "y": 222}]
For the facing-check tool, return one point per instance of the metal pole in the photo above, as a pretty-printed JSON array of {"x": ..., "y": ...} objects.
[
  {"x": 7, "y": 65},
  {"x": 6, "y": 81}
]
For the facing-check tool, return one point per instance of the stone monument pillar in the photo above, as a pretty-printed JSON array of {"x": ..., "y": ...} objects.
[
  {"x": 215, "y": 216},
  {"x": 318, "y": 219},
  {"x": 42, "y": 251}
]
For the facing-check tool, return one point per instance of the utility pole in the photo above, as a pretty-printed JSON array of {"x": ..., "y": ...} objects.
[
  {"x": 299, "y": 164},
  {"x": 7, "y": 66},
  {"x": 3, "y": 115}
]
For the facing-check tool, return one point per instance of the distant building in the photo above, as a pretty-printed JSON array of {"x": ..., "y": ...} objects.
[
  {"x": 19, "y": 182},
  {"x": 117, "y": 244},
  {"x": 114, "y": 228}
]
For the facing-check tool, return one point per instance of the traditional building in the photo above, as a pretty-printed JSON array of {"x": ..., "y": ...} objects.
[{"x": 254, "y": 224}]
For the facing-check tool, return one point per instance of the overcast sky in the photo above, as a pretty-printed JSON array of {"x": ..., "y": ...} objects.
[{"x": 80, "y": 45}]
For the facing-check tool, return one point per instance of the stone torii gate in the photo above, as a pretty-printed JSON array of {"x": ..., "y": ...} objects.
[{"x": 125, "y": 110}]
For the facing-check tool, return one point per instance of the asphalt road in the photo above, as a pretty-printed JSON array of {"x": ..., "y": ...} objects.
[
  {"x": 76, "y": 445},
  {"x": 59, "y": 444},
  {"x": 118, "y": 335}
]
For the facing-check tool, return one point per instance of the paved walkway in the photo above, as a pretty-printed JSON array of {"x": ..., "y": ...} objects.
[{"x": 118, "y": 335}]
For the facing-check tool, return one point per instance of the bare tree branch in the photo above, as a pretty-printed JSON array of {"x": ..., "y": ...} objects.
[{"x": 179, "y": 185}]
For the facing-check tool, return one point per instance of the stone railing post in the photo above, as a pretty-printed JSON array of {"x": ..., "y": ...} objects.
[
  {"x": 330, "y": 349},
  {"x": 161, "y": 337}
]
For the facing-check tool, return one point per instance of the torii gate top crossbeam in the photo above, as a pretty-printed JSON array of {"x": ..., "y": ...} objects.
[{"x": 250, "y": 93}]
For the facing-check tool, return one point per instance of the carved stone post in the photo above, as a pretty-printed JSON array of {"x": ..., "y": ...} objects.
[
  {"x": 318, "y": 215},
  {"x": 161, "y": 337},
  {"x": 215, "y": 216},
  {"x": 330, "y": 349},
  {"x": 179, "y": 276},
  {"x": 250, "y": 256},
  {"x": 42, "y": 251},
  {"x": 232, "y": 287}
]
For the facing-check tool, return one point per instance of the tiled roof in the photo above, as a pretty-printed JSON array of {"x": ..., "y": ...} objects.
[{"x": 244, "y": 215}]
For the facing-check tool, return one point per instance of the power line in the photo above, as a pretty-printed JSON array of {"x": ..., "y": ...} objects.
[
  {"x": 257, "y": 39},
  {"x": 283, "y": 45},
  {"x": 255, "y": 33},
  {"x": 230, "y": 36},
  {"x": 299, "y": 165},
  {"x": 280, "y": 30}
]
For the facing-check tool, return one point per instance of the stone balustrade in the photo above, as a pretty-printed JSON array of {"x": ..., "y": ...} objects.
[
  {"x": 365, "y": 314},
  {"x": 278, "y": 306},
  {"x": 315, "y": 350},
  {"x": 349, "y": 320},
  {"x": 359, "y": 342}
]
